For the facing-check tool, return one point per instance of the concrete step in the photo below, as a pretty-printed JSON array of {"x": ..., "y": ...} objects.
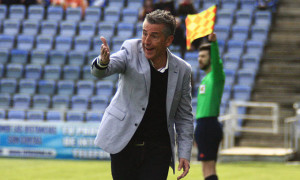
[
  {"x": 275, "y": 89},
  {"x": 281, "y": 82},
  {"x": 256, "y": 154}
]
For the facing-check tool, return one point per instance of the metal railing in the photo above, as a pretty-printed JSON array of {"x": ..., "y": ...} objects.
[{"x": 231, "y": 126}]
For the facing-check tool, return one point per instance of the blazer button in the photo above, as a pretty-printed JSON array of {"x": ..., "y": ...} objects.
[
  {"x": 136, "y": 124},
  {"x": 143, "y": 109}
]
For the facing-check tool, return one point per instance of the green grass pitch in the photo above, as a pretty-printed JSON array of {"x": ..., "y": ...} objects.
[{"x": 40, "y": 169}]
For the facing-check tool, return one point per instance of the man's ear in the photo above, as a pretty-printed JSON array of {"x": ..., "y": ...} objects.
[{"x": 169, "y": 40}]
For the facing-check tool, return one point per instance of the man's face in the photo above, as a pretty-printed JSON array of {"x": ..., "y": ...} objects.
[
  {"x": 204, "y": 59},
  {"x": 154, "y": 41}
]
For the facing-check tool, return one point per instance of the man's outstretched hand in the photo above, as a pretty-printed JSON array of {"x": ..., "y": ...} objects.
[
  {"x": 185, "y": 164},
  {"x": 104, "y": 51}
]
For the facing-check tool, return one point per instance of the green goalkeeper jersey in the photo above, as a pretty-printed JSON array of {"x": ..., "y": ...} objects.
[{"x": 211, "y": 88}]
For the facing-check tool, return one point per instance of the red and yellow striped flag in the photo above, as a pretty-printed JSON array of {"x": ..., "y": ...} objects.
[{"x": 200, "y": 25}]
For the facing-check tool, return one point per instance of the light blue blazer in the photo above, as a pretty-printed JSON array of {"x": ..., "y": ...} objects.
[{"x": 126, "y": 110}]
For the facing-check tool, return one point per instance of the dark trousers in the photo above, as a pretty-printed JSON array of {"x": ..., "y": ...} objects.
[{"x": 141, "y": 161}]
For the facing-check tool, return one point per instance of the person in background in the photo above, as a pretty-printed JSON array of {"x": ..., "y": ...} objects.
[
  {"x": 71, "y": 3},
  {"x": 147, "y": 8},
  {"x": 208, "y": 132},
  {"x": 166, "y": 5},
  {"x": 185, "y": 7}
]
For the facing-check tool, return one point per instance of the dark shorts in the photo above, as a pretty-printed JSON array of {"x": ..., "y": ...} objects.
[{"x": 208, "y": 136}]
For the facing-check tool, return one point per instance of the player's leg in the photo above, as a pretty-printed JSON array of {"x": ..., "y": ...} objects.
[{"x": 209, "y": 170}]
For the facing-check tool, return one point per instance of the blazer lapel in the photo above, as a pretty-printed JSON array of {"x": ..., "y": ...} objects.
[{"x": 172, "y": 82}]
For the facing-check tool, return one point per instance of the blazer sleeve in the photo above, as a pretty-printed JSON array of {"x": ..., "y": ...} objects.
[
  {"x": 117, "y": 62},
  {"x": 184, "y": 119}
]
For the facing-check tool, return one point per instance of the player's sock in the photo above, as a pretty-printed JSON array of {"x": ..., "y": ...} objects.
[{"x": 212, "y": 177}]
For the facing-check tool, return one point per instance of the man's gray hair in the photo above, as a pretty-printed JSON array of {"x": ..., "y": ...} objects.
[{"x": 162, "y": 17}]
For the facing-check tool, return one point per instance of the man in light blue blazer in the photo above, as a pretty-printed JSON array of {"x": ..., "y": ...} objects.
[{"x": 151, "y": 105}]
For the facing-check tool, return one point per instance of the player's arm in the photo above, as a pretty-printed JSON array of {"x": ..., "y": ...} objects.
[
  {"x": 216, "y": 62},
  {"x": 106, "y": 64}
]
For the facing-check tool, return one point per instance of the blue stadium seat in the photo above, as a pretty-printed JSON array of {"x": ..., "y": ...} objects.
[
  {"x": 246, "y": 77},
  {"x": 44, "y": 43},
  {"x": 240, "y": 33},
  {"x": 254, "y": 47},
  {"x": 230, "y": 4},
  {"x": 6, "y": 41},
  {"x": 235, "y": 47},
  {"x": 60, "y": 102},
  {"x": 3, "y": 114},
  {"x": 76, "y": 58},
  {"x": 226, "y": 94},
  {"x": 5, "y": 100},
  {"x": 130, "y": 15},
  {"x": 94, "y": 116},
  {"x": 35, "y": 116},
  {"x": 85, "y": 88},
  {"x": 79, "y": 102},
  {"x": 30, "y": 27},
  {"x": 87, "y": 29},
  {"x": 241, "y": 92},
  {"x": 68, "y": 29},
  {"x": 65, "y": 87},
  {"x": 86, "y": 73},
  {"x": 49, "y": 28},
  {"x": 111, "y": 14},
  {"x": 3, "y": 11},
  {"x": 191, "y": 56},
  {"x": 231, "y": 61},
  {"x": 25, "y": 42},
  {"x": 117, "y": 43},
  {"x": 57, "y": 57},
  {"x": 118, "y": 4},
  {"x": 105, "y": 88},
  {"x": 225, "y": 17},
  {"x": 229, "y": 76},
  {"x": 263, "y": 18},
  {"x": 1, "y": 70},
  {"x": 139, "y": 30},
  {"x": 41, "y": 101},
  {"x": 39, "y": 57},
  {"x": 82, "y": 43},
  {"x": 207, "y": 3},
  {"x": 251, "y": 61},
  {"x": 14, "y": 71},
  {"x": 222, "y": 45},
  {"x": 222, "y": 31},
  {"x": 248, "y": 4},
  {"x": 71, "y": 72},
  {"x": 92, "y": 14},
  {"x": 52, "y": 72},
  {"x": 244, "y": 17},
  {"x": 21, "y": 101},
  {"x": 36, "y": 12},
  {"x": 99, "y": 103},
  {"x": 106, "y": 29},
  {"x": 11, "y": 27},
  {"x": 63, "y": 43},
  {"x": 54, "y": 116},
  {"x": 33, "y": 71},
  {"x": 4, "y": 55},
  {"x": 27, "y": 86},
  {"x": 259, "y": 33},
  {"x": 16, "y": 115},
  {"x": 17, "y": 11},
  {"x": 46, "y": 87},
  {"x": 19, "y": 56},
  {"x": 55, "y": 13},
  {"x": 194, "y": 104},
  {"x": 73, "y": 14},
  {"x": 8, "y": 86},
  {"x": 134, "y": 4},
  {"x": 125, "y": 30},
  {"x": 75, "y": 116}
]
